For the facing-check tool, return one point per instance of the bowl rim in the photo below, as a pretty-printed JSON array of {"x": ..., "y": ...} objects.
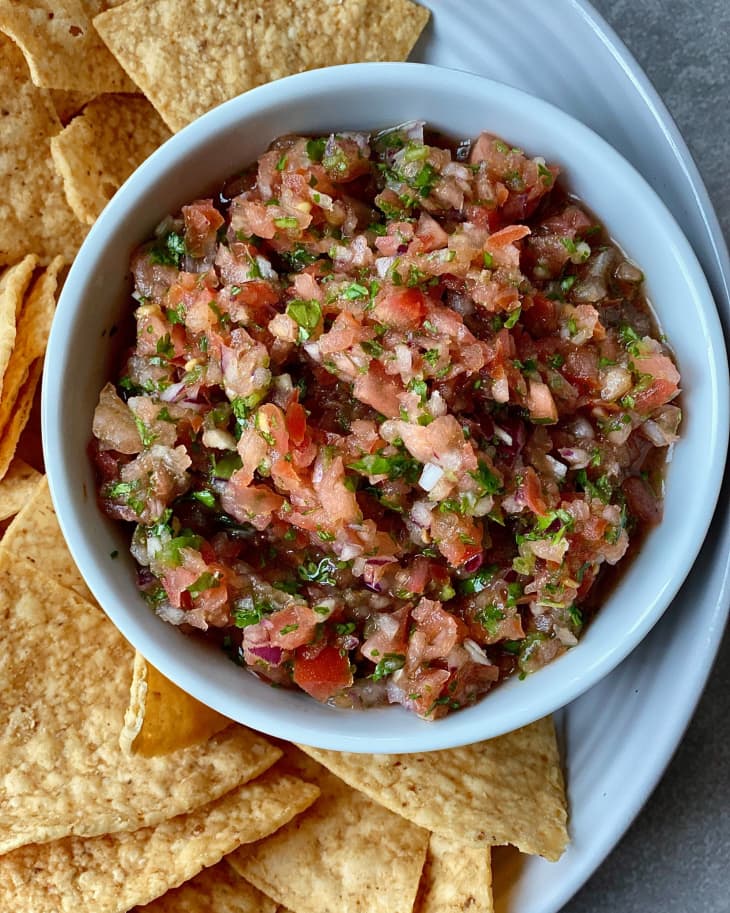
[{"x": 434, "y": 735}]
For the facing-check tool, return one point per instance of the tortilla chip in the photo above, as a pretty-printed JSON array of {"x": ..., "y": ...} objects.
[
  {"x": 344, "y": 853},
  {"x": 456, "y": 877},
  {"x": 61, "y": 47},
  {"x": 98, "y": 150},
  {"x": 64, "y": 681},
  {"x": 161, "y": 717},
  {"x": 17, "y": 487},
  {"x": 188, "y": 56},
  {"x": 216, "y": 890},
  {"x": 506, "y": 790},
  {"x": 35, "y": 536},
  {"x": 13, "y": 285},
  {"x": 34, "y": 215},
  {"x": 113, "y": 872},
  {"x": 31, "y": 336},
  {"x": 21, "y": 412},
  {"x": 69, "y": 103}
]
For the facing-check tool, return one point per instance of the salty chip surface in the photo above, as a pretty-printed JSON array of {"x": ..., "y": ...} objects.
[
  {"x": 506, "y": 790},
  {"x": 161, "y": 717},
  {"x": 456, "y": 877},
  {"x": 35, "y": 536},
  {"x": 34, "y": 215},
  {"x": 97, "y": 151},
  {"x": 13, "y": 285},
  {"x": 113, "y": 872},
  {"x": 216, "y": 890},
  {"x": 347, "y": 853},
  {"x": 64, "y": 683},
  {"x": 61, "y": 47},
  {"x": 25, "y": 363},
  {"x": 188, "y": 56},
  {"x": 18, "y": 485}
]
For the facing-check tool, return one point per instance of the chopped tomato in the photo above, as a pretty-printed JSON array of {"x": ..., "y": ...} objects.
[{"x": 322, "y": 673}]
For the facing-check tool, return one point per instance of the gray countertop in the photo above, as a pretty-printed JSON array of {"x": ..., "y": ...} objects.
[{"x": 676, "y": 856}]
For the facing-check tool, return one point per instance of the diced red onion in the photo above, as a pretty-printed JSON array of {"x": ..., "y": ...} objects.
[
  {"x": 173, "y": 393},
  {"x": 575, "y": 456},
  {"x": 350, "y": 642},
  {"x": 503, "y": 435},
  {"x": 421, "y": 513},
  {"x": 473, "y": 564},
  {"x": 383, "y": 264},
  {"x": 560, "y": 469},
  {"x": 476, "y": 652},
  {"x": 269, "y": 654}
]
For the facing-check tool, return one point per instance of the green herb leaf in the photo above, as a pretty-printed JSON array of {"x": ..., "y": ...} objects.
[
  {"x": 168, "y": 250},
  {"x": 315, "y": 148},
  {"x": 307, "y": 314},
  {"x": 390, "y": 663},
  {"x": 478, "y": 581}
]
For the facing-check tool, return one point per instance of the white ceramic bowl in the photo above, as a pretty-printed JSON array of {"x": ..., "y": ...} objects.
[{"x": 368, "y": 96}]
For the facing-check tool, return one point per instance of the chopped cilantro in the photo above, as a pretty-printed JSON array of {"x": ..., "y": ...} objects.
[
  {"x": 297, "y": 258},
  {"x": 424, "y": 181},
  {"x": 630, "y": 338},
  {"x": 287, "y": 222},
  {"x": 307, "y": 314},
  {"x": 355, "y": 291},
  {"x": 372, "y": 347},
  {"x": 168, "y": 250},
  {"x": 165, "y": 347},
  {"x": 206, "y": 581},
  {"x": 478, "y": 581},
  {"x": 146, "y": 434},
  {"x": 205, "y": 497},
  {"x": 395, "y": 467},
  {"x": 487, "y": 480},
  {"x": 319, "y": 571},
  {"x": 390, "y": 663},
  {"x": 490, "y": 617},
  {"x": 513, "y": 317},
  {"x": 315, "y": 148}
]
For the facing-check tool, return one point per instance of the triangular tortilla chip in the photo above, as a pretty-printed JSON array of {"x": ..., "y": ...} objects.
[
  {"x": 97, "y": 151},
  {"x": 181, "y": 52},
  {"x": 31, "y": 336},
  {"x": 69, "y": 103},
  {"x": 13, "y": 284},
  {"x": 23, "y": 403},
  {"x": 16, "y": 488},
  {"x": 216, "y": 890},
  {"x": 34, "y": 215},
  {"x": 161, "y": 717},
  {"x": 344, "y": 853},
  {"x": 456, "y": 877},
  {"x": 113, "y": 872},
  {"x": 64, "y": 682},
  {"x": 61, "y": 47},
  {"x": 36, "y": 536},
  {"x": 505, "y": 790}
]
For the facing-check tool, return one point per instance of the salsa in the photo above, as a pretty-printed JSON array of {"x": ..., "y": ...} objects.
[{"x": 392, "y": 408}]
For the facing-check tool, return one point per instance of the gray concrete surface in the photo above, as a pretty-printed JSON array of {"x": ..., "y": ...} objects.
[{"x": 676, "y": 856}]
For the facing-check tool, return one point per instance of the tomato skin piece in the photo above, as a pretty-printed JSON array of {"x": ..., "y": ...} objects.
[
  {"x": 323, "y": 674},
  {"x": 402, "y": 308}
]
